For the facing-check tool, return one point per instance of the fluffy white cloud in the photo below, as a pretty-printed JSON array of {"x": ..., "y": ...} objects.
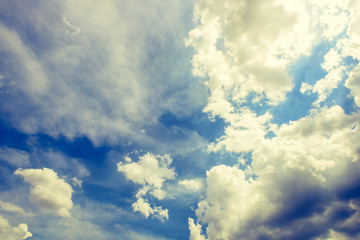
[
  {"x": 339, "y": 19},
  {"x": 293, "y": 186},
  {"x": 247, "y": 63},
  {"x": 350, "y": 47},
  {"x": 195, "y": 230},
  {"x": 192, "y": 184},
  {"x": 8, "y": 232},
  {"x": 48, "y": 191},
  {"x": 143, "y": 206},
  {"x": 150, "y": 171},
  {"x": 297, "y": 183}
]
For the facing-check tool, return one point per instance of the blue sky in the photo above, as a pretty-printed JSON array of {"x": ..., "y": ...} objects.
[{"x": 197, "y": 120}]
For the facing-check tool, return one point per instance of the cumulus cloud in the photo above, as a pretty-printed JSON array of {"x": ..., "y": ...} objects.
[
  {"x": 48, "y": 191},
  {"x": 191, "y": 184},
  {"x": 150, "y": 171},
  {"x": 247, "y": 63},
  {"x": 195, "y": 230},
  {"x": 143, "y": 206},
  {"x": 344, "y": 15},
  {"x": 8, "y": 232},
  {"x": 300, "y": 181},
  {"x": 297, "y": 184}
]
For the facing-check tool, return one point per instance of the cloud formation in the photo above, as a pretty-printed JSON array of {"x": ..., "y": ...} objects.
[
  {"x": 14, "y": 157},
  {"x": 293, "y": 184},
  {"x": 150, "y": 171},
  {"x": 298, "y": 184},
  {"x": 89, "y": 75},
  {"x": 192, "y": 184},
  {"x": 8, "y": 232},
  {"x": 9, "y": 207},
  {"x": 48, "y": 191}
]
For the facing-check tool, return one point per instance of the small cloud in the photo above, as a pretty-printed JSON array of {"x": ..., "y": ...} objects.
[
  {"x": 9, "y": 232},
  {"x": 306, "y": 88},
  {"x": 195, "y": 230},
  {"x": 192, "y": 184},
  {"x": 151, "y": 171},
  {"x": 76, "y": 181},
  {"x": 143, "y": 206},
  {"x": 48, "y": 190}
]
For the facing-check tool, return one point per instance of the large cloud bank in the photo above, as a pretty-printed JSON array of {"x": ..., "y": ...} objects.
[{"x": 301, "y": 179}]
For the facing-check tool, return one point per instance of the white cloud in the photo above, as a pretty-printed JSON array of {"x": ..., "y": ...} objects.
[
  {"x": 247, "y": 63},
  {"x": 192, "y": 184},
  {"x": 48, "y": 191},
  {"x": 350, "y": 47},
  {"x": 353, "y": 83},
  {"x": 195, "y": 230},
  {"x": 295, "y": 172},
  {"x": 143, "y": 206},
  {"x": 245, "y": 131},
  {"x": 9, "y": 207},
  {"x": 8, "y": 232},
  {"x": 293, "y": 186},
  {"x": 151, "y": 171}
]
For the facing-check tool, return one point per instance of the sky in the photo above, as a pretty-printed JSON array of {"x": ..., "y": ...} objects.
[{"x": 180, "y": 119}]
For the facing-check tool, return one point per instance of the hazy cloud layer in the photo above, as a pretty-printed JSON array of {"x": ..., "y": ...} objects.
[{"x": 93, "y": 72}]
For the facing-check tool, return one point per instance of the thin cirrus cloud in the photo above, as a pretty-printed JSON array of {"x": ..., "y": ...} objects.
[
  {"x": 179, "y": 120},
  {"x": 89, "y": 75}
]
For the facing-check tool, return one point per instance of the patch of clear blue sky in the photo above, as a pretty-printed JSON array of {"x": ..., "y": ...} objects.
[
  {"x": 307, "y": 69},
  {"x": 296, "y": 105},
  {"x": 341, "y": 95}
]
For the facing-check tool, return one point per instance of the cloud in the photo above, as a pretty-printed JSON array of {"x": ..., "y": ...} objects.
[
  {"x": 344, "y": 15},
  {"x": 14, "y": 157},
  {"x": 192, "y": 184},
  {"x": 48, "y": 191},
  {"x": 295, "y": 183},
  {"x": 195, "y": 230},
  {"x": 237, "y": 62},
  {"x": 82, "y": 76},
  {"x": 143, "y": 206},
  {"x": 8, "y": 232},
  {"x": 151, "y": 171},
  {"x": 9, "y": 207}
]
